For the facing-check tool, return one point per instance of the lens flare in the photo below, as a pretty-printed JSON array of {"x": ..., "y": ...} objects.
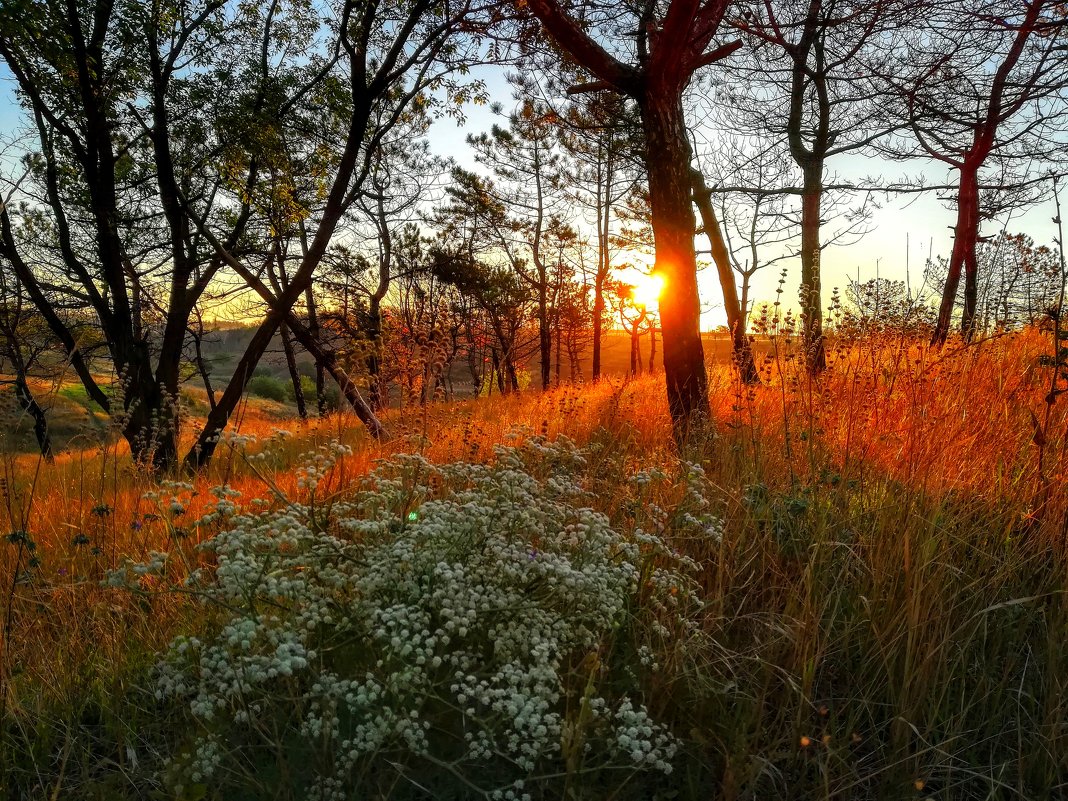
[{"x": 647, "y": 290}]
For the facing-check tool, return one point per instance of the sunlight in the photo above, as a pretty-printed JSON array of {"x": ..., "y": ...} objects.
[{"x": 647, "y": 290}]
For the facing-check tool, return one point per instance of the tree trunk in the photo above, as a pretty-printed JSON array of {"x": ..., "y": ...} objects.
[
  {"x": 374, "y": 356},
  {"x": 545, "y": 334},
  {"x": 294, "y": 373},
  {"x": 559, "y": 351},
  {"x": 603, "y": 268},
  {"x": 668, "y": 163},
  {"x": 320, "y": 373},
  {"x": 741, "y": 349},
  {"x": 501, "y": 386},
  {"x": 202, "y": 368},
  {"x": 151, "y": 427},
  {"x": 598, "y": 327},
  {"x": 962, "y": 257},
  {"x": 811, "y": 297},
  {"x": 30, "y": 405},
  {"x": 652, "y": 347}
]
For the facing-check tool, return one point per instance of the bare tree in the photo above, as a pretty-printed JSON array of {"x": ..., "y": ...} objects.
[
  {"x": 394, "y": 55},
  {"x": 811, "y": 58}
]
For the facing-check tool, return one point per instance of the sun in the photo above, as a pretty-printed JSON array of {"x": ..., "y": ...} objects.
[{"x": 647, "y": 290}]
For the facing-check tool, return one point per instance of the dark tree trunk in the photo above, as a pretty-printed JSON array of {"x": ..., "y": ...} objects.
[
  {"x": 811, "y": 297},
  {"x": 559, "y": 350},
  {"x": 670, "y": 198},
  {"x": 30, "y": 405},
  {"x": 501, "y": 386},
  {"x": 545, "y": 334},
  {"x": 320, "y": 373},
  {"x": 294, "y": 373},
  {"x": 513, "y": 375},
  {"x": 652, "y": 347},
  {"x": 202, "y": 368},
  {"x": 151, "y": 427},
  {"x": 598, "y": 327},
  {"x": 374, "y": 355}
]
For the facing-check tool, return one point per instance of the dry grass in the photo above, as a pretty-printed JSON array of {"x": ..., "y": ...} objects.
[{"x": 888, "y": 599}]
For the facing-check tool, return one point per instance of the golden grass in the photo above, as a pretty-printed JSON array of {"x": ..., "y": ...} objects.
[{"x": 908, "y": 515}]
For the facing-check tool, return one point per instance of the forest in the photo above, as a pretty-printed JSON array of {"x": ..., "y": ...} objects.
[{"x": 533, "y": 399}]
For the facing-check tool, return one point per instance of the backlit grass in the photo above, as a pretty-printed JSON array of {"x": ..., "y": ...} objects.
[{"x": 886, "y": 608}]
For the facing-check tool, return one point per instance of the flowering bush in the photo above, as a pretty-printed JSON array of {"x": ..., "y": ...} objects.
[{"x": 459, "y": 630}]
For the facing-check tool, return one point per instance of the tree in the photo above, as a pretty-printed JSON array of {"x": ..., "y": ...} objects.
[
  {"x": 25, "y": 341},
  {"x": 811, "y": 57},
  {"x": 499, "y": 293},
  {"x": 1019, "y": 282},
  {"x": 984, "y": 89},
  {"x": 599, "y": 133},
  {"x": 734, "y": 308},
  {"x": 88, "y": 78},
  {"x": 526, "y": 200},
  {"x": 670, "y": 45},
  {"x": 756, "y": 215},
  {"x": 394, "y": 55}
]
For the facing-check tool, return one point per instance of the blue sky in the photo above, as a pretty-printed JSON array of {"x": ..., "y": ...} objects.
[{"x": 904, "y": 231}]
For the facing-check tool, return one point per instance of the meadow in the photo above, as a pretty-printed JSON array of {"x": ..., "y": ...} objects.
[{"x": 861, "y": 587}]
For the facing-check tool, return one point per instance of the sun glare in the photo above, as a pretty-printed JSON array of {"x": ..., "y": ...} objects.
[{"x": 647, "y": 290}]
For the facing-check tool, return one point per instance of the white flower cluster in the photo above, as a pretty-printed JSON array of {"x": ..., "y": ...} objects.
[
  {"x": 225, "y": 506},
  {"x": 129, "y": 574},
  {"x": 444, "y": 615},
  {"x": 319, "y": 463},
  {"x": 690, "y": 513}
]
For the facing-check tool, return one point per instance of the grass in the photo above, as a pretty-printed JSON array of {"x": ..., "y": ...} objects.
[{"x": 886, "y": 608}]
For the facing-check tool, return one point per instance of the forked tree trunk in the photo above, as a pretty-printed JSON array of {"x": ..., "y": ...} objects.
[
  {"x": 668, "y": 163},
  {"x": 962, "y": 257}
]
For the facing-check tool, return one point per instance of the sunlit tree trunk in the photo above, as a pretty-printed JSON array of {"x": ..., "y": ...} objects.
[
  {"x": 962, "y": 259},
  {"x": 811, "y": 292},
  {"x": 668, "y": 161}
]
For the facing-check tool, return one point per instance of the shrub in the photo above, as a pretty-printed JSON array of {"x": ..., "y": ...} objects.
[
  {"x": 265, "y": 386},
  {"x": 459, "y": 630}
]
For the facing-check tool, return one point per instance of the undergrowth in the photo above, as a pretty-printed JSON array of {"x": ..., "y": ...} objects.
[{"x": 855, "y": 589}]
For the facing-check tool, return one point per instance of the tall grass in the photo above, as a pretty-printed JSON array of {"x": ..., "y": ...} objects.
[{"x": 886, "y": 606}]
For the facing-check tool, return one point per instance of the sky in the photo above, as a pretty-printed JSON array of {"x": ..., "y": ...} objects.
[{"x": 905, "y": 231}]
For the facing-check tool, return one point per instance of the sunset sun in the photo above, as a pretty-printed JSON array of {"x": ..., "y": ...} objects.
[{"x": 647, "y": 290}]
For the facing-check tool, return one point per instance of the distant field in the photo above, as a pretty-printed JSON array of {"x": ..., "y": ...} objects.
[{"x": 75, "y": 421}]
